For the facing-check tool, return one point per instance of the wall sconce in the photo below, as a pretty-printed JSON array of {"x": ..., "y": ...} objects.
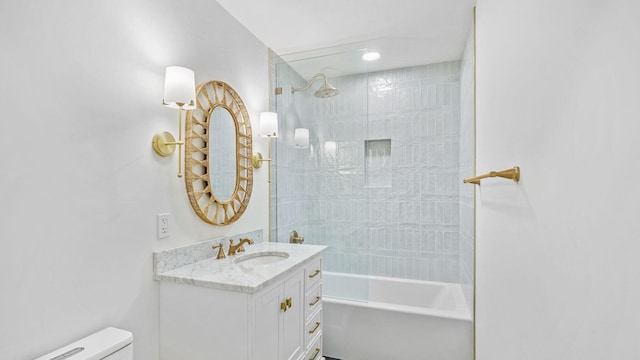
[
  {"x": 268, "y": 128},
  {"x": 179, "y": 93},
  {"x": 301, "y": 138}
]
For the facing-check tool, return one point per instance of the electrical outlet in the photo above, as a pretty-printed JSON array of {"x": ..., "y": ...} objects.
[{"x": 163, "y": 226}]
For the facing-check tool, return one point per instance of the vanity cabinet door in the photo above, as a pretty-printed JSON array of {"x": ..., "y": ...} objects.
[
  {"x": 268, "y": 324},
  {"x": 293, "y": 331},
  {"x": 279, "y": 322}
]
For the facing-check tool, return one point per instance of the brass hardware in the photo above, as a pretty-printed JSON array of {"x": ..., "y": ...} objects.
[
  {"x": 257, "y": 159},
  {"x": 220, "y": 251},
  {"x": 268, "y": 125},
  {"x": 213, "y": 95},
  {"x": 278, "y": 91},
  {"x": 315, "y": 328},
  {"x": 233, "y": 249},
  {"x": 179, "y": 93},
  {"x": 314, "y": 274},
  {"x": 164, "y": 144},
  {"x": 286, "y": 304},
  {"x": 315, "y": 354},
  {"x": 315, "y": 301},
  {"x": 513, "y": 174},
  {"x": 295, "y": 239}
]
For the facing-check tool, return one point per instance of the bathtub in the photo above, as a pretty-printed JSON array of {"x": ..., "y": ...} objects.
[{"x": 394, "y": 319}]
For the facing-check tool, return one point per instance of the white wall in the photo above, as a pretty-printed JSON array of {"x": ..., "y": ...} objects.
[
  {"x": 557, "y": 254},
  {"x": 467, "y": 157},
  {"x": 80, "y": 186}
]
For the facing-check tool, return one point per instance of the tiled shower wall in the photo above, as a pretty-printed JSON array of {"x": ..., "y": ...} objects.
[
  {"x": 401, "y": 220},
  {"x": 289, "y": 164},
  {"x": 467, "y": 169}
]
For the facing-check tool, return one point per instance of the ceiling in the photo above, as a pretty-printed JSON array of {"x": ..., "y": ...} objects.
[{"x": 336, "y": 32}]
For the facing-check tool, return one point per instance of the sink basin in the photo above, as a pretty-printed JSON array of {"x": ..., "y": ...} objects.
[{"x": 261, "y": 258}]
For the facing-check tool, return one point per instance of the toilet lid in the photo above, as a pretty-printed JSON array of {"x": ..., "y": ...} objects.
[{"x": 93, "y": 347}]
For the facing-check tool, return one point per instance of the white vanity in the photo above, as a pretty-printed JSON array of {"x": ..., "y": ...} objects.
[{"x": 265, "y": 303}]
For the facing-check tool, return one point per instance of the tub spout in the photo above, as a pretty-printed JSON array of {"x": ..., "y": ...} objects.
[{"x": 295, "y": 239}]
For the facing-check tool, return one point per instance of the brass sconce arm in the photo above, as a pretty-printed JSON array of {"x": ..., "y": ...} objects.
[
  {"x": 257, "y": 159},
  {"x": 268, "y": 129},
  {"x": 164, "y": 143}
]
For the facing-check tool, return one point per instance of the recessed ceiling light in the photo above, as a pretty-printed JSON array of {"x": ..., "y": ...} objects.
[{"x": 371, "y": 56}]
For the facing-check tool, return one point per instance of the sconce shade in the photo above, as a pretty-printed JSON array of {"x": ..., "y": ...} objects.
[
  {"x": 179, "y": 88},
  {"x": 268, "y": 124},
  {"x": 301, "y": 138}
]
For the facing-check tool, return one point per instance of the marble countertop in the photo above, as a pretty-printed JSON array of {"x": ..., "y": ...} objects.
[{"x": 225, "y": 274}]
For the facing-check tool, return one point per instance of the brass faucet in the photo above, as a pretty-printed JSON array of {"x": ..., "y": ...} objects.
[
  {"x": 233, "y": 249},
  {"x": 220, "y": 251}
]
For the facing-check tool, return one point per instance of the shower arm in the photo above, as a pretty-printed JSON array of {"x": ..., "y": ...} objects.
[{"x": 293, "y": 90}]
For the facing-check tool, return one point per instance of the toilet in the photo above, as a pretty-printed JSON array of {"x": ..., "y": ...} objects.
[{"x": 108, "y": 344}]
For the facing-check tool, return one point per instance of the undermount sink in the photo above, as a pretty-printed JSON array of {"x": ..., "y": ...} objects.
[{"x": 261, "y": 258}]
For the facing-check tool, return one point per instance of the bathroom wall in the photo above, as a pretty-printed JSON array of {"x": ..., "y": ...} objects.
[
  {"x": 80, "y": 186},
  {"x": 392, "y": 210},
  {"x": 557, "y": 253},
  {"x": 467, "y": 169}
]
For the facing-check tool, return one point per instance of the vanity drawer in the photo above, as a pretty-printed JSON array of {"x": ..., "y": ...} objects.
[
  {"x": 313, "y": 273},
  {"x": 313, "y": 329},
  {"x": 313, "y": 301},
  {"x": 314, "y": 351}
]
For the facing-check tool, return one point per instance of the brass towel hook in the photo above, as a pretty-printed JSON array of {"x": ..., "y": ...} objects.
[{"x": 513, "y": 174}]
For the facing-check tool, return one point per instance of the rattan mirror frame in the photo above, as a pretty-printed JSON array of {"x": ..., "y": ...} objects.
[{"x": 209, "y": 96}]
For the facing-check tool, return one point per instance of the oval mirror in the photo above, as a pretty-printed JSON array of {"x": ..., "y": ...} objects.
[
  {"x": 218, "y": 148},
  {"x": 222, "y": 153}
]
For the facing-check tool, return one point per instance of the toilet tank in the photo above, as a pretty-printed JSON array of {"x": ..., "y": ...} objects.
[{"x": 108, "y": 344}]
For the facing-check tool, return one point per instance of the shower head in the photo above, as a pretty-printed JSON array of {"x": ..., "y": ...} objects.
[{"x": 325, "y": 91}]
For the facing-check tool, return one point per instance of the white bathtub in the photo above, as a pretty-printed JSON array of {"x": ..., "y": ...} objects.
[{"x": 400, "y": 319}]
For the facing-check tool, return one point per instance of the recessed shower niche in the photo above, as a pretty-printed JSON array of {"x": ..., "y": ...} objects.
[{"x": 377, "y": 163}]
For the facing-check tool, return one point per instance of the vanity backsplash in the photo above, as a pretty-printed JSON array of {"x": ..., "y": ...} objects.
[{"x": 170, "y": 259}]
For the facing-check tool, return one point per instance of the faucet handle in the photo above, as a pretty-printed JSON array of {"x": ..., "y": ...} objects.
[
  {"x": 232, "y": 248},
  {"x": 220, "y": 251}
]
